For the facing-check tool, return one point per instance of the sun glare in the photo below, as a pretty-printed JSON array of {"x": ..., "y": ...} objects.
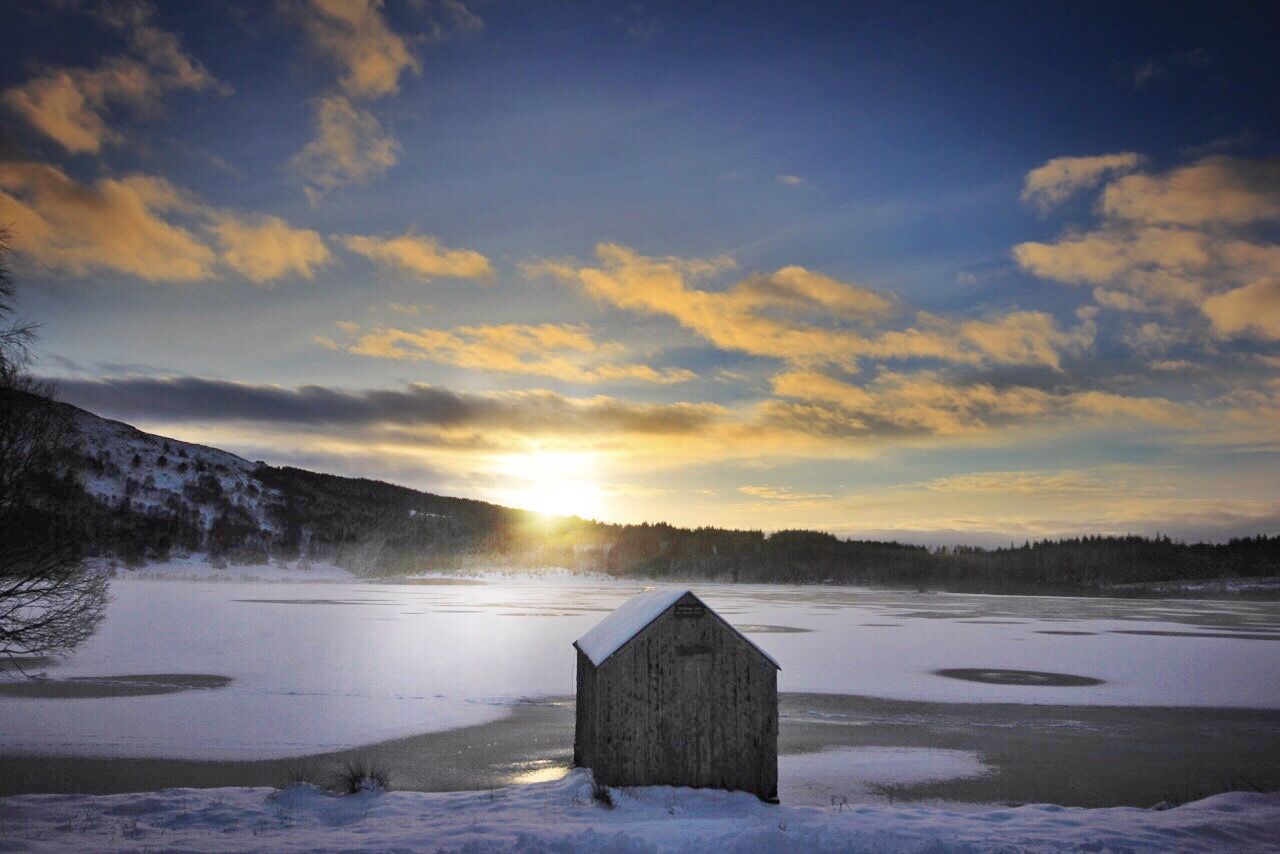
[{"x": 554, "y": 483}]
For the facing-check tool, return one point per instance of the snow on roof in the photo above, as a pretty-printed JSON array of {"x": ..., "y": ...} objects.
[{"x": 610, "y": 634}]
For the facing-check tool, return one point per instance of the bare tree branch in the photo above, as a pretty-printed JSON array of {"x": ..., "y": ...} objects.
[{"x": 50, "y": 601}]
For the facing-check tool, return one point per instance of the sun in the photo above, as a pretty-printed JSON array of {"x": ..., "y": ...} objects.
[{"x": 554, "y": 483}]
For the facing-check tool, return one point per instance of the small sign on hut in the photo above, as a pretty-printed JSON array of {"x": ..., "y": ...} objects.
[{"x": 670, "y": 694}]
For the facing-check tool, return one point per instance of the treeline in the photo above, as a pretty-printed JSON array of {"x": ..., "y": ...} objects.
[
  {"x": 799, "y": 557},
  {"x": 1084, "y": 563},
  {"x": 379, "y": 529},
  {"x": 1081, "y": 564}
]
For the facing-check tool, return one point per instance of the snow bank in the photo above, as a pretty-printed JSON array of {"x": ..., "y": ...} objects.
[{"x": 562, "y": 817}]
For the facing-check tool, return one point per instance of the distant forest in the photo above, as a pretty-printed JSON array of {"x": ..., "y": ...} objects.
[{"x": 377, "y": 529}]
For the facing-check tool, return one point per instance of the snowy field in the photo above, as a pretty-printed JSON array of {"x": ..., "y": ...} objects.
[
  {"x": 318, "y": 666},
  {"x": 562, "y": 817}
]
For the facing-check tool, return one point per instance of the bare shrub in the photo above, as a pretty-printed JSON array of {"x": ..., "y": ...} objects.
[
  {"x": 602, "y": 795},
  {"x": 362, "y": 775}
]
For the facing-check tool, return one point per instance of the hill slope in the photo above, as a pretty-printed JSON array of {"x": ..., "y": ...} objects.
[{"x": 150, "y": 494}]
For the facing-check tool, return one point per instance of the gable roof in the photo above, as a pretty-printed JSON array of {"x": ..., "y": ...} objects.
[{"x": 632, "y": 616}]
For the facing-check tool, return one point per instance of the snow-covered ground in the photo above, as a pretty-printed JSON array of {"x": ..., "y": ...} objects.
[
  {"x": 320, "y": 666},
  {"x": 562, "y": 817}
]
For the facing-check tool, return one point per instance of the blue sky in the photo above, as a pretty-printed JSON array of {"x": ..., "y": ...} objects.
[{"x": 938, "y": 271}]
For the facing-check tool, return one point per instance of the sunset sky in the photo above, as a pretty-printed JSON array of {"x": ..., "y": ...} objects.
[{"x": 950, "y": 273}]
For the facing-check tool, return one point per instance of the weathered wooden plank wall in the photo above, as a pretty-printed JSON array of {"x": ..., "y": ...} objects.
[{"x": 687, "y": 702}]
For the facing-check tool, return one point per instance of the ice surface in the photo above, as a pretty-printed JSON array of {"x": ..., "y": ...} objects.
[
  {"x": 324, "y": 666},
  {"x": 562, "y": 816}
]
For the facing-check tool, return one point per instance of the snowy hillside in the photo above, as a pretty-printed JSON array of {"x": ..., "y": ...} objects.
[
  {"x": 148, "y": 473},
  {"x": 136, "y": 498}
]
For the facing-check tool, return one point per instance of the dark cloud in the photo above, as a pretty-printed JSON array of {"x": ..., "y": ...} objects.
[{"x": 198, "y": 399}]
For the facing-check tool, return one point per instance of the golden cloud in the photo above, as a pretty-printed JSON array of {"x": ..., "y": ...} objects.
[
  {"x": 765, "y": 315},
  {"x": 1062, "y": 177},
  {"x": 268, "y": 248},
  {"x": 1022, "y": 337},
  {"x": 1152, "y": 410},
  {"x": 1017, "y": 482},
  {"x": 927, "y": 402},
  {"x": 420, "y": 255},
  {"x": 1115, "y": 499},
  {"x": 1177, "y": 240},
  {"x": 135, "y": 225},
  {"x": 1215, "y": 190},
  {"x": 355, "y": 35},
  {"x": 558, "y": 351},
  {"x": 922, "y": 402},
  {"x": 795, "y": 287},
  {"x": 778, "y": 493},
  {"x": 1252, "y": 309},
  {"x": 112, "y": 224},
  {"x": 68, "y": 105},
  {"x": 350, "y": 147},
  {"x": 1107, "y": 256}
]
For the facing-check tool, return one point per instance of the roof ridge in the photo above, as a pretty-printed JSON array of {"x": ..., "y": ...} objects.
[{"x": 634, "y": 615}]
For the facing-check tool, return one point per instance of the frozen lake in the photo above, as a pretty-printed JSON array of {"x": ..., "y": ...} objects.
[{"x": 320, "y": 666}]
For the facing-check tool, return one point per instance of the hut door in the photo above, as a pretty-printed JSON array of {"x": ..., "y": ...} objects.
[
  {"x": 697, "y": 716},
  {"x": 696, "y": 658}
]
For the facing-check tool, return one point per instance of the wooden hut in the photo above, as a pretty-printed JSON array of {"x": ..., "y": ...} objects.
[{"x": 671, "y": 694}]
